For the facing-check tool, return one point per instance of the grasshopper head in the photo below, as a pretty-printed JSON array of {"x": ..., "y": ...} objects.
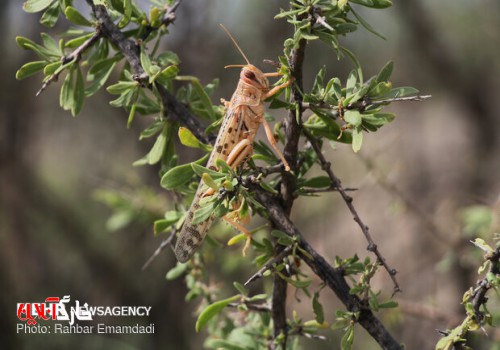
[{"x": 253, "y": 76}]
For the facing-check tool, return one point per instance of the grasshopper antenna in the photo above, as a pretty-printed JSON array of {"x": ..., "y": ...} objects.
[{"x": 237, "y": 46}]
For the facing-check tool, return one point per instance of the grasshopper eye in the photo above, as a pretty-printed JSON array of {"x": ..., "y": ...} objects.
[{"x": 250, "y": 75}]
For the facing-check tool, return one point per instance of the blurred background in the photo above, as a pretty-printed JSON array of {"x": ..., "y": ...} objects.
[{"x": 428, "y": 182}]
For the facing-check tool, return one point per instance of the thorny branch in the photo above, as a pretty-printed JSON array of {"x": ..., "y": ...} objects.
[
  {"x": 476, "y": 297},
  {"x": 326, "y": 166},
  {"x": 288, "y": 184},
  {"x": 483, "y": 286}
]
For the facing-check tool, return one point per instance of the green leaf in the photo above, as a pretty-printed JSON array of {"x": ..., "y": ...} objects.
[
  {"x": 119, "y": 220},
  {"x": 78, "y": 41},
  {"x": 212, "y": 310},
  {"x": 32, "y": 6},
  {"x": 318, "y": 309},
  {"x": 152, "y": 129},
  {"x": 388, "y": 304},
  {"x": 357, "y": 139},
  {"x": 30, "y": 68},
  {"x": 79, "y": 93},
  {"x": 51, "y": 68},
  {"x": 334, "y": 90},
  {"x": 50, "y": 16},
  {"x": 381, "y": 4},
  {"x": 446, "y": 343},
  {"x": 66, "y": 97},
  {"x": 24, "y": 43},
  {"x": 188, "y": 139},
  {"x": 366, "y": 25},
  {"x": 204, "y": 212},
  {"x": 204, "y": 98},
  {"x": 342, "y": 3},
  {"x": 154, "y": 156},
  {"x": 353, "y": 117},
  {"x": 317, "y": 182},
  {"x": 380, "y": 89},
  {"x": 400, "y": 92},
  {"x": 354, "y": 59},
  {"x": 180, "y": 175},
  {"x": 131, "y": 115},
  {"x": 146, "y": 61},
  {"x": 351, "y": 81},
  {"x": 121, "y": 87},
  {"x": 167, "y": 58},
  {"x": 127, "y": 13},
  {"x": 177, "y": 176},
  {"x": 76, "y": 17},
  {"x": 50, "y": 44},
  {"x": 240, "y": 288},
  {"x": 282, "y": 237},
  {"x": 481, "y": 244},
  {"x": 265, "y": 186},
  {"x": 347, "y": 339},
  {"x": 222, "y": 166},
  {"x": 162, "y": 225},
  {"x": 102, "y": 76},
  {"x": 359, "y": 94},
  {"x": 378, "y": 119},
  {"x": 207, "y": 179},
  {"x": 127, "y": 98},
  {"x": 167, "y": 74},
  {"x": 177, "y": 271},
  {"x": 367, "y": 3},
  {"x": 298, "y": 283},
  {"x": 200, "y": 170},
  {"x": 386, "y": 72}
]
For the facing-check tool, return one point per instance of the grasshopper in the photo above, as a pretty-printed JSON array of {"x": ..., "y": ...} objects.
[{"x": 234, "y": 145}]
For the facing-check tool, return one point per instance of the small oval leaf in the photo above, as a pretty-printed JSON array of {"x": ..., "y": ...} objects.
[
  {"x": 30, "y": 68},
  {"x": 76, "y": 17},
  {"x": 32, "y": 6},
  {"x": 212, "y": 310}
]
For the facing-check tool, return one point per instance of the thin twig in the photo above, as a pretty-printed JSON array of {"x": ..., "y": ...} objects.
[
  {"x": 273, "y": 261},
  {"x": 312, "y": 190},
  {"x": 75, "y": 56},
  {"x": 326, "y": 166},
  {"x": 166, "y": 242},
  {"x": 260, "y": 307},
  {"x": 366, "y": 103},
  {"x": 169, "y": 16}
]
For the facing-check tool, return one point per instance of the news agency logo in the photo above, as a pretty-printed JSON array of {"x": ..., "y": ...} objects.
[{"x": 56, "y": 309}]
